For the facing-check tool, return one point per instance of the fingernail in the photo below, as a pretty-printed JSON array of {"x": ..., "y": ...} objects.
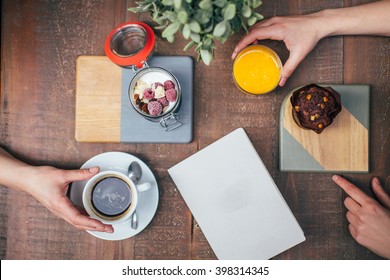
[
  {"x": 376, "y": 180},
  {"x": 335, "y": 177},
  {"x": 282, "y": 81},
  {"x": 234, "y": 52},
  {"x": 109, "y": 230},
  {"x": 93, "y": 169}
]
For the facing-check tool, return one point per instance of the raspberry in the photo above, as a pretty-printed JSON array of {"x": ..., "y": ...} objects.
[
  {"x": 171, "y": 95},
  {"x": 148, "y": 93},
  {"x": 155, "y": 108},
  {"x": 163, "y": 100},
  {"x": 168, "y": 85}
]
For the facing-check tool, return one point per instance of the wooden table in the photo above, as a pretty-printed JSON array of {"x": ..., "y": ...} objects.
[{"x": 40, "y": 43}]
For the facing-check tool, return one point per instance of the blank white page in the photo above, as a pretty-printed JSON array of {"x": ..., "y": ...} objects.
[{"x": 235, "y": 201}]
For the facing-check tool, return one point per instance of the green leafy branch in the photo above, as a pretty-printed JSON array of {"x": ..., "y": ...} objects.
[{"x": 201, "y": 22}]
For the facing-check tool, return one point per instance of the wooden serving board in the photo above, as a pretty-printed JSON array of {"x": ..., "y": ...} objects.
[
  {"x": 103, "y": 109},
  {"x": 98, "y": 99},
  {"x": 341, "y": 147}
]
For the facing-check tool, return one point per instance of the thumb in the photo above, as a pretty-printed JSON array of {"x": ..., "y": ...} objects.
[
  {"x": 290, "y": 66},
  {"x": 81, "y": 174},
  {"x": 380, "y": 193}
]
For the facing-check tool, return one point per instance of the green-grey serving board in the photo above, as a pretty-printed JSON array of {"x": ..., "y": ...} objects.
[{"x": 341, "y": 147}]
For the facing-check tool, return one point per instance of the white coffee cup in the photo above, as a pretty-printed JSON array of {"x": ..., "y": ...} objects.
[{"x": 112, "y": 197}]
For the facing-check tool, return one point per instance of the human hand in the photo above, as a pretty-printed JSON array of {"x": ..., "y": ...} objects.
[
  {"x": 299, "y": 33},
  {"x": 369, "y": 220},
  {"x": 49, "y": 185}
]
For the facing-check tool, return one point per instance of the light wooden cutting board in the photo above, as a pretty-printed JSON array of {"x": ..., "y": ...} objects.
[
  {"x": 98, "y": 99},
  {"x": 103, "y": 110},
  {"x": 341, "y": 147}
]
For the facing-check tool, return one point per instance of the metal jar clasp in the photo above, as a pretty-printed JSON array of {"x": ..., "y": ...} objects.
[{"x": 171, "y": 122}]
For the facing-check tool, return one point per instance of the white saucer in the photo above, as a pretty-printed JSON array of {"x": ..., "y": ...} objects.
[{"x": 148, "y": 200}]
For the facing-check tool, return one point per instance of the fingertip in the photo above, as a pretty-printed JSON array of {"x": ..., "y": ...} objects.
[
  {"x": 376, "y": 186},
  {"x": 235, "y": 51},
  {"x": 282, "y": 82},
  {"x": 376, "y": 181},
  {"x": 109, "y": 229},
  {"x": 94, "y": 169},
  {"x": 335, "y": 178}
]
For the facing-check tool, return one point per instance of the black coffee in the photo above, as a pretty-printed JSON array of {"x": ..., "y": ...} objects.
[{"x": 111, "y": 196}]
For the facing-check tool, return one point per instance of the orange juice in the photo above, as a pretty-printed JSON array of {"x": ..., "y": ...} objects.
[{"x": 257, "y": 69}]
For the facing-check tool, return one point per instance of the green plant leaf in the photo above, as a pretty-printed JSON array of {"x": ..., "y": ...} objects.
[
  {"x": 177, "y": 4},
  {"x": 170, "y": 39},
  {"x": 167, "y": 2},
  {"x": 201, "y": 22},
  {"x": 252, "y": 21},
  {"x": 161, "y": 27},
  {"x": 206, "y": 56},
  {"x": 195, "y": 26},
  {"x": 182, "y": 16},
  {"x": 208, "y": 29},
  {"x": 220, "y": 3},
  {"x": 198, "y": 47},
  {"x": 159, "y": 21},
  {"x": 195, "y": 37},
  {"x": 226, "y": 35},
  {"x": 207, "y": 43},
  {"x": 205, "y": 4},
  {"x": 171, "y": 29},
  {"x": 229, "y": 12},
  {"x": 203, "y": 16},
  {"x": 144, "y": 7},
  {"x": 186, "y": 31},
  {"x": 258, "y": 16},
  {"x": 189, "y": 45},
  {"x": 171, "y": 16},
  {"x": 256, "y": 3},
  {"x": 135, "y": 9},
  {"x": 220, "y": 29},
  {"x": 246, "y": 11}
]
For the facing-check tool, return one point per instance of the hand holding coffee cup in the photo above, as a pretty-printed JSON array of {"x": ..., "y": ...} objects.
[{"x": 112, "y": 197}]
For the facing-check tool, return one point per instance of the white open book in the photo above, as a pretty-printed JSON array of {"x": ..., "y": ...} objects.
[{"x": 235, "y": 201}]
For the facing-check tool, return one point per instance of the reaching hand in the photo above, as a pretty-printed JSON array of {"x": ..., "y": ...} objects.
[
  {"x": 299, "y": 33},
  {"x": 49, "y": 185},
  {"x": 369, "y": 220}
]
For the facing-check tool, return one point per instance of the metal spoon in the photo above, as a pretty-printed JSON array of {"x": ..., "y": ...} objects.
[
  {"x": 134, "y": 173},
  {"x": 134, "y": 220}
]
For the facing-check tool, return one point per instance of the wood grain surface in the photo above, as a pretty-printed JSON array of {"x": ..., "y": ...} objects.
[
  {"x": 343, "y": 147},
  {"x": 40, "y": 43},
  {"x": 98, "y": 99}
]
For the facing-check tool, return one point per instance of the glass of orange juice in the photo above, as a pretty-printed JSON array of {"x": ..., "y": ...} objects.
[{"x": 257, "y": 69}]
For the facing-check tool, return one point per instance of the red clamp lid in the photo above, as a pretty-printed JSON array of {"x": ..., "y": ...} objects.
[{"x": 130, "y": 44}]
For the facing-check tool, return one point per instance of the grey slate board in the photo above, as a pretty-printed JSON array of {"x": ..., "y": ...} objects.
[{"x": 136, "y": 129}]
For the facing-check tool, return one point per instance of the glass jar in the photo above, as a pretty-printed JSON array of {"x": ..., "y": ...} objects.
[
  {"x": 257, "y": 70},
  {"x": 130, "y": 45}
]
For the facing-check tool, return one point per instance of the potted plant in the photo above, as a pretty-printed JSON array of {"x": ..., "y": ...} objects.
[{"x": 201, "y": 22}]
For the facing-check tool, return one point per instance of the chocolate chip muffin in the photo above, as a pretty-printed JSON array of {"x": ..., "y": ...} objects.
[{"x": 315, "y": 107}]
